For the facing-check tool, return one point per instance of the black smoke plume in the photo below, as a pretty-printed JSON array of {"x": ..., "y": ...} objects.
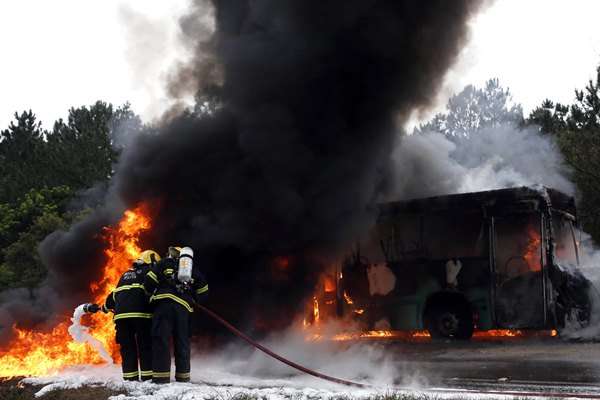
[{"x": 309, "y": 97}]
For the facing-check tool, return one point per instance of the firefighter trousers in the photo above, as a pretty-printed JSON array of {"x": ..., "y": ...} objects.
[
  {"x": 170, "y": 320},
  {"x": 135, "y": 342}
]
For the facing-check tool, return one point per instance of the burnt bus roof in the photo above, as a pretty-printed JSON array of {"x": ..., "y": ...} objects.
[{"x": 501, "y": 199}]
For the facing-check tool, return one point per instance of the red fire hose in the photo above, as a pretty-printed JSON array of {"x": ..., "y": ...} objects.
[{"x": 292, "y": 364}]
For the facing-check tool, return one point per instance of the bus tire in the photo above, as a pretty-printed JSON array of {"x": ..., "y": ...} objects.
[{"x": 449, "y": 320}]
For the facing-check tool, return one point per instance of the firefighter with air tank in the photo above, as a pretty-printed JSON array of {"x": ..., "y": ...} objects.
[
  {"x": 132, "y": 317},
  {"x": 175, "y": 285}
]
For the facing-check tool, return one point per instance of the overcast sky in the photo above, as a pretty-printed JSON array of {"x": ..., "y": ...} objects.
[{"x": 63, "y": 53}]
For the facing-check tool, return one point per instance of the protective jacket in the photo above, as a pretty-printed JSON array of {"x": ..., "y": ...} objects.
[
  {"x": 130, "y": 299},
  {"x": 161, "y": 282},
  {"x": 133, "y": 322},
  {"x": 172, "y": 303}
]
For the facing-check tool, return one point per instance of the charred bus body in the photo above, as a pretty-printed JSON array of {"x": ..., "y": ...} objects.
[{"x": 451, "y": 264}]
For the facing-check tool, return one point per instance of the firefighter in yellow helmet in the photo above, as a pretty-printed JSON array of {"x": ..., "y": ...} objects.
[
  {"x": 133, "y": 319},
  {"x": 175, "y": 284}
]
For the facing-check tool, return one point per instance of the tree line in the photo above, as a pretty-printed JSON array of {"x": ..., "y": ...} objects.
[{"x": 44, "y": 172}]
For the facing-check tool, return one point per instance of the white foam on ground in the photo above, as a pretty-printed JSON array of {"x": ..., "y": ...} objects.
[
  {"x": 209, "y": 383},
  {"x": 238, "y": 370},
  {"x": 81, "y": 334}
]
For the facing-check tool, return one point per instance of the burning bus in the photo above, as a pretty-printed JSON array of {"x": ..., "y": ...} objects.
[{"x": 500, "y": 259}]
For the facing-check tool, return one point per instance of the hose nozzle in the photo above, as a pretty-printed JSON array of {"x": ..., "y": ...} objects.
[{"x": 91, "y": 308}]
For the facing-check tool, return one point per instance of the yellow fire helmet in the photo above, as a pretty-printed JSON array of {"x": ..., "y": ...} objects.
[
  {"x": 147, "y": 257},
  {"x": 174, "y": 251}
]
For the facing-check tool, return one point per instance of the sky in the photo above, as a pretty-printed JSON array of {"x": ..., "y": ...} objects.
[
  {"x": 537, "y": 48},
  {"x": 66, "y": 53}
]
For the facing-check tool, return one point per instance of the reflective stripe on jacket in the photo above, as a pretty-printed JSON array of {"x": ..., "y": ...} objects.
[{"x": 130, "y": 299}]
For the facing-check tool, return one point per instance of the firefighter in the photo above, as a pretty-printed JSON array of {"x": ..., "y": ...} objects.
[
  {"x": 175, "y": 284},
  {"x": 133, "y": 319}
]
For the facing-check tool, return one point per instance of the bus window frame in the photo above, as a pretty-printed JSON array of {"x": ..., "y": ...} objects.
[
  {"x": 572, "y": 221},
  {"x": 575, "y": 242},
  {"x": 543, "y": 219}
]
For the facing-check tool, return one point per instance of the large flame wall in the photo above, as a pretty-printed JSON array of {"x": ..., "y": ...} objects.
[{"x": 35, "y": 353}]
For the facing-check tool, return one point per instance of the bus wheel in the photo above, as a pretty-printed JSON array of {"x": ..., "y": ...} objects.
[{"x": 449, "y": 320}]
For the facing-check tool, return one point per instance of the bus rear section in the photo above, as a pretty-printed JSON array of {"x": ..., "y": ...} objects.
[{"x": 451, "y": 265}]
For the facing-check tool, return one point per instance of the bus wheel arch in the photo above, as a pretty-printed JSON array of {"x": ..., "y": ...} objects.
[{"x": 448, "y": 315}]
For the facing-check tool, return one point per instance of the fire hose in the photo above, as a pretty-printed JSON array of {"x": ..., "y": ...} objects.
[{"x": 265, "y": 350}]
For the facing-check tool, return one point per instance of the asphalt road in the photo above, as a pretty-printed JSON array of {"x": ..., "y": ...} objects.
[{"x": 522, "y": 364}]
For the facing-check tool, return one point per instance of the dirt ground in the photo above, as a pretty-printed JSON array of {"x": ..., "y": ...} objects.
[{"x": 13, "y": 389}]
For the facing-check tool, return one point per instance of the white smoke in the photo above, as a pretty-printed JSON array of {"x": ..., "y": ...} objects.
[
  {"x": 589, "y": 258},
  {"x": 81, "y": 334},
  {"x": 153, "y": 47},
  {"x": 432, "y": 164},
  {"x": 589, "y": 265}
]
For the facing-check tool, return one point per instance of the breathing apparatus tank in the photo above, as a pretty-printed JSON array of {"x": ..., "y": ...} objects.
[{"x": 186, "y": 263}]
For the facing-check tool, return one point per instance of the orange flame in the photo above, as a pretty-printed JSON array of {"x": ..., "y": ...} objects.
[
  {"x": 33, "y": 353},
  {"x": 499, "y": 333},
  {"x": 329, "y": 284},
  {"x": 423, "y": 335},
  {"x": 532, "y": 252},
  {"x": 370, "y": 335},
  {"x": 348, "y": 298}
]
